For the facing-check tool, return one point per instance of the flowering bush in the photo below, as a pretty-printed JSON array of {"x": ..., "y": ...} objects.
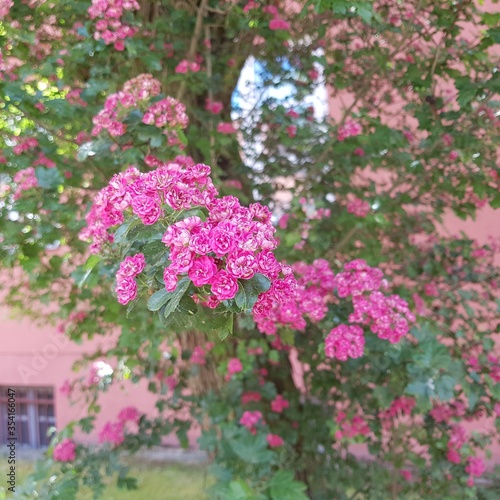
[{"x": 278, "y": 276}]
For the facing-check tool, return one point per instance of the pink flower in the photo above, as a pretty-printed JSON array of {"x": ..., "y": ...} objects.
[
  {"x": 279, "y": 24},
  {"x": 250, "y": 419},
  {"x": 313, "y": 74},
  {"x": 132, "y": 266},
  {"x": 129, "y": 414},
  {"x": 453, "y": 155},
  {"x": 234, "y": 366},
  {"x": 126, "y": 289},
  {"x": 448, "y": 140},
  {"x": 345, "y": 341},
  {"x": 358, "y": 207},
  {"x": 224, "y": 286},
  {"x": 225, "y": 128},
  {"x": 112, "y": 433},
  {"x": 291, "y": 130},
  {"x": 249, "y": 397},
  {"x": 170, "y": 279},
  {"x": 431, "y": 290},
  {"x": 214, "y": 107},
  {"x": 119, "y": 45},
  {"x": 66, "y": 388},
  {"x": 359, "y": 152},
  {"x": 241, "y": 265},
  {"x": 475, "y": 466},
  {"x": 349, "y": 129},
  {"x": 198, "y": 356},
  {"x": 147, "y": 208},
  {"x": 182, "y": 67},
  {"x": 202, "y": 270},
  {"x": 407, "y": 475},
  {"x": 274, "y": 440},
  {"x": 222, "y": 241},
  {"x": 279, "y": 403},
  {"x": 65, "y": 451}
]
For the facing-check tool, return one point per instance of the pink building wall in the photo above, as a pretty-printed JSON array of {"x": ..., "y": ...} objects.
[{"x": 34, "y": 356}]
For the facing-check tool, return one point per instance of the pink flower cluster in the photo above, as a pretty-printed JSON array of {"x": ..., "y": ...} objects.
[
  {"x": 458, "y": 437},
  {"x": 167, "y": 113},
  {"x": 215, "y": 107},
  {"x": 445, "y": 411},
  {"x": 5, "y": 6},
  {"x": 310, "y": 298},
  {"x": 185, "y": 66},
  {"x": 274, "y": 441},
  {"x": 24, "y": 145},
  {"x": 279, "y": 403},
  {"x": 25, "y": 179},
  {"x": 73, "y": 97},
  {"x": 180, "y": 184},
  {"x": 276, "y": 23},
  {"x": 234, "y": 366},
  {"x": 126, "y": 286},
  {"x": 475, "y": 468},
  {"x": 357, "y": 426},
  {"x": 345, "y": 341},
  {"x": 250, "y": 419},
  {"x": 250, "y": 397},
  {"x": 349, "y": 129},
  {"x": 135, "y": 94},
  {"x": 65, "y": 451},
  {"x": 226, "y": 128},
  {"x": 198, "y": 356},
  {"x": 110, "y": 27},
  {"x": 358, "y": 207},
  {"x": 114, "y": 432},
  {"x": 387, "y": 316},
  {"x": 233, "y": 243},
  {"x": 400, "y": 406},
  {"x": 43, "y": 161}
]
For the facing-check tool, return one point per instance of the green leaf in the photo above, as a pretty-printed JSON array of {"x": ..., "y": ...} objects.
[
  {"x": 222, "y": 324},
  {"x": 445, "y": 387},
  {"x": 252, "y": 449},
  {"x": 176, "y": 297},
  {"x": 92, "y": 261},
  {"x": 159, "y": 299},
  {"x": 239, "y": 490},
  {"x": 142, "y": 232},
  {"x": 48, "y": 178},
  {"x": 495, "y": 202},
  {"x": 283, "y": 486},
  {"x": 249, "y": 290}
]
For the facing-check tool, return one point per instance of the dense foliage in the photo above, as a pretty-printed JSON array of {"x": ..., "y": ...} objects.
[{"x": 249, "y": 197}]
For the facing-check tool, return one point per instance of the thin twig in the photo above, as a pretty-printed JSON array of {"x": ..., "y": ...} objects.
[{"x": 194, "y": 41}]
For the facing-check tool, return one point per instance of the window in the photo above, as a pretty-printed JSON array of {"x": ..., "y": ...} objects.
[{"x": 34, "y": 415}]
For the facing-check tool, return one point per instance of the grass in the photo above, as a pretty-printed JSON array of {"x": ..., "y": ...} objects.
[{"x": 156, "y": 481}]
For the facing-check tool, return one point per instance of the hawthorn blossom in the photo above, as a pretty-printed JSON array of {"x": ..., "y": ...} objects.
[
  {"x": 129, "y": 414},
  {"x": 65, "y": 451},
  {"x": 112, "y": 433},
  {"x": 234, "y": 366},
  {"x": 345, "y": 341},
  {"x": 274, "y": 440},
  {"x": 279, "y": 403},
  {"x": 225, "y": 128},
  {"x": 250, "y": 419}
]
